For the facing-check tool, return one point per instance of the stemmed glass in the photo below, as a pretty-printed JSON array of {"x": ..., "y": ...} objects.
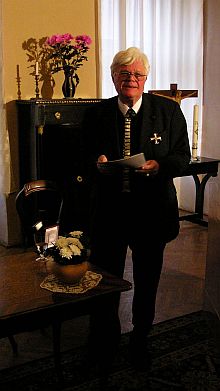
[
  {"x": 39, "y": 240},
  {"x": 44, "y": 237}
]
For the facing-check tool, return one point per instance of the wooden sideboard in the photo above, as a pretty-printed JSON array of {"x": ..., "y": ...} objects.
[
  {"x": 50, "y": 140},
  {"x": 50, "y": 147}
]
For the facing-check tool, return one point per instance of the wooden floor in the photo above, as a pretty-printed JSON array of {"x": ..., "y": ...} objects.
[{"x": 180, "y": 292}]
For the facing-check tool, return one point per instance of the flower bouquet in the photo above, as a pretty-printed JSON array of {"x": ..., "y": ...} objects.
[
  {"x": 67, "y": 53},
  {"x": 68, "y": 257}
]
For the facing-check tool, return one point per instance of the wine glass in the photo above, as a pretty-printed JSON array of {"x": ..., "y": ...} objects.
[{"x": 39, "y": 240}]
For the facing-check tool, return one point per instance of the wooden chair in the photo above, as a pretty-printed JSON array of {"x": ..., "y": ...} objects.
[{"x": 39, "y": 200}]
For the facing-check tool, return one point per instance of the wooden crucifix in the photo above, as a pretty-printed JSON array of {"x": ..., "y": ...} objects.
[{"x": 175, "y": 94}]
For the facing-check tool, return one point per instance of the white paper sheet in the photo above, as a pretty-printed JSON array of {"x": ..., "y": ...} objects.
[{"x": 134, "y": 161}]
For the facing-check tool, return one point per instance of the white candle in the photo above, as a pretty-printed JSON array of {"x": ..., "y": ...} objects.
[
  {"x": 195, "y": 131},
  {"x": 36, "y": 68}
]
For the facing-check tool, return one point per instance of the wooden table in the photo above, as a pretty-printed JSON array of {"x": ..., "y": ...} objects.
[
  {"x": 25, "y": 306},
  {"x": 206, "y": 166}
]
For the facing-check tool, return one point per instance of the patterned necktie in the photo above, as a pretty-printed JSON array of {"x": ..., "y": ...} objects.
[
  {"x": 127, "y": 136},
  {"x": 127, "y": 147}
]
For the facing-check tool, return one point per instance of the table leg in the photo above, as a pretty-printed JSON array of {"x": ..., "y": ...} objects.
[
  {"x": 13, "y": 344},
  {"x": 56, "y": 327},
  {"x": 200, "y": 190},
  {"x": 197, "y": 217}
]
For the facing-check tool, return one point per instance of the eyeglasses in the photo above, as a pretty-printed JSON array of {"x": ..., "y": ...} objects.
[{"x": 126, "y": 74}]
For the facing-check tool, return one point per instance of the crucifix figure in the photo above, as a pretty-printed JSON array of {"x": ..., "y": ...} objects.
[{"x": 175, "y": 94}]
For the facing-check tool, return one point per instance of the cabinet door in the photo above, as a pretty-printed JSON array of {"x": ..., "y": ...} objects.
[
  {"x": 60, "y": 152},
  {"x": 61, "y": 159}
]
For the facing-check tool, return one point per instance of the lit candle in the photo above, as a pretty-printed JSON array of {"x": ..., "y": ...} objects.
[
  {"x": 36, "y": 68},
  {"x": 195, "y": 131}
]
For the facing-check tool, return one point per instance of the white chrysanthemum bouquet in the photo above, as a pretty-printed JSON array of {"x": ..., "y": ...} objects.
[{"x": 71, "y": 249}]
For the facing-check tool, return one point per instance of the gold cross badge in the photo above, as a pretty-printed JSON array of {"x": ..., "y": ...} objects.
[{"x": 157, "y": 139}]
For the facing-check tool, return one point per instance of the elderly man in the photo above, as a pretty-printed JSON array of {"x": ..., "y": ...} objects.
[{"x": 135, "y": 207}]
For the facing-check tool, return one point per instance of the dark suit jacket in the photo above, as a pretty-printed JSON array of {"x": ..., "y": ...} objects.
[{"x": 156, "y": 195}]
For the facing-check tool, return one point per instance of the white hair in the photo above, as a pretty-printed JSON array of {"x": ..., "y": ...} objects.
[{"x": 128, "y": 56}]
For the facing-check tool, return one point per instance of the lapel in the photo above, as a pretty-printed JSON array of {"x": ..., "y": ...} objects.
[
  {"x": 148, "y": 125},
  {"x": 111, "y": 123}
]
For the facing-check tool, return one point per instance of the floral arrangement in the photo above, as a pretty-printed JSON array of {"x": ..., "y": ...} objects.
[
  {"x": 70, "y": 250},
  {"x": 67, "y": 53}
]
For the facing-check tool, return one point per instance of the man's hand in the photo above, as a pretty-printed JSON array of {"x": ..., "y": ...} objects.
[
  {"x": 102, "y": 159},
  {"x": 150, "y": 167},
  {"x": 103, "y": 168}
]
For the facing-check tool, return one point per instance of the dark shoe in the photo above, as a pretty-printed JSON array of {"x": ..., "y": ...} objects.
[{"x": 139, "y": 355}]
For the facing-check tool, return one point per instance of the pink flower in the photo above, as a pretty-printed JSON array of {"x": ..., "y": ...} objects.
[
  {"x": 59, "y": 38},
  {"x": 84, "y": 38},
  {"x": 67, "y": 52},
  {"x": 67, "y": 37}
]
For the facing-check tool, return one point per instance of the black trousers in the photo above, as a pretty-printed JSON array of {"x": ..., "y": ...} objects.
[{"x": 116, "y": 227}]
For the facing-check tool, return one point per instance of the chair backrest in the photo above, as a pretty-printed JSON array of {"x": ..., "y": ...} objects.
[{"x": 39, "y": 200}]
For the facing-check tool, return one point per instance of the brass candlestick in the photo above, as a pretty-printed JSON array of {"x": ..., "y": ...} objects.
[
  {"x": 18, "y": 79},
  {"x": 37, "y": 95}
]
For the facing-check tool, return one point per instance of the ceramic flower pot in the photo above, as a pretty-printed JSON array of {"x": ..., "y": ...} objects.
[{"x": 67, "y": 273}]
